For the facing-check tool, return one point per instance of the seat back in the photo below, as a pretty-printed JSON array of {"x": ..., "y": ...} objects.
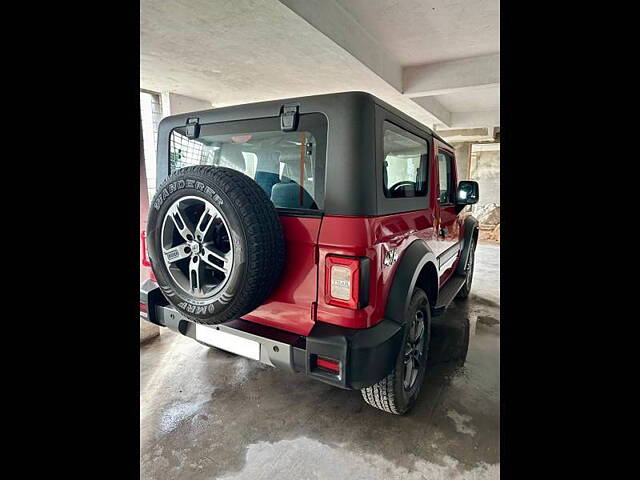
[{"x": 286, "y": 194}]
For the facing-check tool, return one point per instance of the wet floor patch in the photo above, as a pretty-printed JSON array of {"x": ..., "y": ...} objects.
[
  {"x": 174, "y": 415},
  {"x": 460, "y": 421},
  {"x": 242, "y": 368},
  {"x": 305, "y": 458}
]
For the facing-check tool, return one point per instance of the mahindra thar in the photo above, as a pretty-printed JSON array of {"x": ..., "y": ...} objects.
[{"x": 319, "y": 235}]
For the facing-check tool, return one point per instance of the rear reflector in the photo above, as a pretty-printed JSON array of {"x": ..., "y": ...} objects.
[
  {"x": 328, "y": 364},
  {"x": 145, "y": 256}
]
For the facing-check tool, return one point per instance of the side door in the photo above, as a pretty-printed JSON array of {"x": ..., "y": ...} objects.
[{"x": 447, "y": 226}]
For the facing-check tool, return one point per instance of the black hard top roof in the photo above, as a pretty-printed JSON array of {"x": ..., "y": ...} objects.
[{"x": 246, "y": 110}]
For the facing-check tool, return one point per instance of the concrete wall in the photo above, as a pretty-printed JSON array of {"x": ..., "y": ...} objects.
[{"x": 485, "y": 169}]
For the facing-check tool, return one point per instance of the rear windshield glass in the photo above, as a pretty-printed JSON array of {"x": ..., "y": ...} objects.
[{"x": 289, "y": 166}]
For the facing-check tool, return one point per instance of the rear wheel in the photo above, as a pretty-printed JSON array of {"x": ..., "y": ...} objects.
[{"x": 398, "y": 391}]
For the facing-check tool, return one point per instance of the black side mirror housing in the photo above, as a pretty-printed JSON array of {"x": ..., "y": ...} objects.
[{"x": 468, "y": 192}]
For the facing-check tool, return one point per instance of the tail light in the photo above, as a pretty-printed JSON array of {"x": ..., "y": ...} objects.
[
  {"x": 144, "y": 309},
  {"x": 145, "y": 257},
  {"x": 329, "y": 364},
  {"x": 347, "y": 281}
]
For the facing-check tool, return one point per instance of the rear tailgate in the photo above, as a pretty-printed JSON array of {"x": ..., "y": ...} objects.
[{"x": 290, "y": 306}]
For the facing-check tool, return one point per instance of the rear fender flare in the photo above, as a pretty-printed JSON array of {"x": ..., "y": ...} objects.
[
  {"x": 469, "y": 227},
  {"x": 414, "y": 258}
]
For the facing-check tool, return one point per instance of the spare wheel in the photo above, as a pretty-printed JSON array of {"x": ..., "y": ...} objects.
[{"x": 215, "y": 241}]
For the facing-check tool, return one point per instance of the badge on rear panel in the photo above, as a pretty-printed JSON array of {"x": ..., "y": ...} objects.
[{"x": 390, "y": 256}]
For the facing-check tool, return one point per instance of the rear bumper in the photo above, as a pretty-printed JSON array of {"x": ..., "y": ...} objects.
[{"x": 365, "y": 356}]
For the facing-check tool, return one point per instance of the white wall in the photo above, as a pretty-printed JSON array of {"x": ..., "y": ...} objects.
[
  {"x": 154, "y": 107},
  {"x": 149, "y": 138}
]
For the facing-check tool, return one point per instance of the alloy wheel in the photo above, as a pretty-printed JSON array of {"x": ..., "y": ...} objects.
[
  {"x": 197, "y": 247},
  {"x": 414, "y": 350}
]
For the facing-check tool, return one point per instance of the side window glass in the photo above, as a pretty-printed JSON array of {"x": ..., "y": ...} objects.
[
  {"x": 405, "y": 163},
  {"x": 445, "y": 179}
]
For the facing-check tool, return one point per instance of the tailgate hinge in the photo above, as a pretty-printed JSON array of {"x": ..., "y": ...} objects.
[
  {"x": 289, "y": 117},
  {"x": 193, "y": 128}
]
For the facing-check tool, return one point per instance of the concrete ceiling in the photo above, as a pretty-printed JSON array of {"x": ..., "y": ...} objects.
[
  {"x": 474, "y": 100},
  {"x": 238, "y": 51},
  {"x": 416, "y": 32}
]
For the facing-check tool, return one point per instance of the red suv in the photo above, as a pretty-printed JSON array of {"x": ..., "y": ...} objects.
[{"x": 317, "y": 234}]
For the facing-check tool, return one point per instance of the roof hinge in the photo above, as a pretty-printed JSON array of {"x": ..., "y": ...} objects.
[
  {"x": 193, "y": 128},
  {"x": 289, "y": 117}
]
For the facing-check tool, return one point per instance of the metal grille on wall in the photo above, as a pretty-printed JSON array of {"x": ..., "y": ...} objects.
[
  {"x": 156, "y": 115},
  {"x": 151, "y": 114}
]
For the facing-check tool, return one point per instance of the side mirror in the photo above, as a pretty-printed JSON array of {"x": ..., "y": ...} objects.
[{"x": 468, "y": 192}]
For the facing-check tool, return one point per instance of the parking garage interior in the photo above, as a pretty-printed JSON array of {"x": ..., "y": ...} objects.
[{"x": 205, "y": 413}]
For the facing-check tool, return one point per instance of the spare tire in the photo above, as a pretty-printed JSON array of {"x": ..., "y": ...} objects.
[{"x": 215, "y": 243}]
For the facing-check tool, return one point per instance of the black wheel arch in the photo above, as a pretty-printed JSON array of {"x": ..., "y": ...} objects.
[
  {"x": 470, "y": 231},
  {"x": 416, "y": 268}
]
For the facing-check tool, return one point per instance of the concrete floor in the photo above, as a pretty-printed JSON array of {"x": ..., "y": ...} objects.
[{"x": 206, "y": 414}]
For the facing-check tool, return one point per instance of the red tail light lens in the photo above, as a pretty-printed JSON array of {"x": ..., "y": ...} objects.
[
  {"x": 144, "y": 307},
  {"x": 145, "y": 257},
  {"x": 328, "y": 364},
  {"x": 342, "y": 281}
]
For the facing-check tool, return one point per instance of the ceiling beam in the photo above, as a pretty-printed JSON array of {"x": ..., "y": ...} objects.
[
  {"x": 453, "y": 76},
  {"x": 433, "y": 106},
  {"x": 456, "y": 135},
  {"x": 331, "y": 19},
  {"x": 475, "y": 119}
]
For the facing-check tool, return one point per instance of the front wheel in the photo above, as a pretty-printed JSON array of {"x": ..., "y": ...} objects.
[{"x": 398, "y": 391}]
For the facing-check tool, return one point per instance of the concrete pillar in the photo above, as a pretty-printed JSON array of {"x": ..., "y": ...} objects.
[
  {"x": 463, "y": 159},
  {"x": 174, "y": 104},
  {"x": 147, "y": 330}
]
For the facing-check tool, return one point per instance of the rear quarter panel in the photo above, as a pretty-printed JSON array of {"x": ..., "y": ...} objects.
[
  {"x": 290, "y": 305},
  {"x": 368, "y": 237}
]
